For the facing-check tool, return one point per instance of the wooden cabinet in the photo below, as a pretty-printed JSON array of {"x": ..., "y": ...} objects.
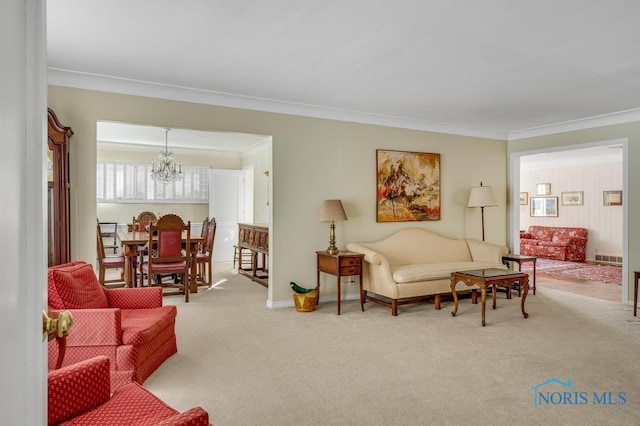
[
  {"x": 255, "y": 238},
  {"x": 58, "y": 190}
]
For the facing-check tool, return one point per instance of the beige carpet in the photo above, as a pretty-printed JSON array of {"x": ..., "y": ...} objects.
[{"x": 247, "y": 364}]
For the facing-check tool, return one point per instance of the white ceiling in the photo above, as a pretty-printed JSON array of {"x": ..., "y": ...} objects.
[
  {"x": 140, "y": 138},
  {"x": 611, "y": 153},
  {"x": 482, "y": 68}
]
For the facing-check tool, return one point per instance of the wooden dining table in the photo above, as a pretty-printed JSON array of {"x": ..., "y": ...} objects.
[{"x": 131, "y": 243}]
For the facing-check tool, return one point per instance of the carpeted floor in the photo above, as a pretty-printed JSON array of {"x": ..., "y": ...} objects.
[
  {"x": 247, "y": 364},
  {"x": 580, "y": 270}
]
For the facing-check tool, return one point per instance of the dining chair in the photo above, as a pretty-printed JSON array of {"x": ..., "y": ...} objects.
[
  {"x": 203, "y": 257},
  {"x": 166, "y": 253},
  {"x": 144, "y": 219},
  {"x": 107, "y": 262},
  {"x": 141, "y": 224}
]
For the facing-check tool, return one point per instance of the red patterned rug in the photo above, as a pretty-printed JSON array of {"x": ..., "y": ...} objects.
[{"x": 585, "y": 271}]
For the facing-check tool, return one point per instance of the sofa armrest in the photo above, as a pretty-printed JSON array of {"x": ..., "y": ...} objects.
[
  {"x": 578, "y": 241},
  {"x": 193, "y": 417},
  {"x": 482, "y": 251},
  {"x": 370, "y": 256},
  {"x": 78, "y": 388},
  {"x": 134, "y": 298},
  {"x": 95, "y": 327}
]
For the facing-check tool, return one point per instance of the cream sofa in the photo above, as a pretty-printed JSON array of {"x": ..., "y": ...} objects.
[{"x": 415, "y": 264}]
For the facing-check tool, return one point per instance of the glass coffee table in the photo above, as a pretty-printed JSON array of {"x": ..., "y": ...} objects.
[{"x": 491, "y": 277}]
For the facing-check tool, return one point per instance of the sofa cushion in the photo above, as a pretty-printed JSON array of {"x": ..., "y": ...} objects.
[
  {"x": 75, "y": 287},
  {"x": 435, "y": 271},
  {"x": 541, "y": 233},
  {"x": 415, "y": 245},
  {"x": 554, "y": 243},
  {"x": 131, "y": 402},
  {"x": 141, "y": 325}
]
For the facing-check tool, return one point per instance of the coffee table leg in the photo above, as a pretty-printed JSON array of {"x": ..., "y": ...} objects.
[
  {"x": 495, "y": 296},
  {"x": 483, "y": 299},
  {"x": 525, "y": 283},
  {"x": 455, "y": 296}
]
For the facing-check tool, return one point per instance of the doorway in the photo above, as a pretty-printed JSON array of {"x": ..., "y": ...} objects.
[{"x": 589, "y": 169}]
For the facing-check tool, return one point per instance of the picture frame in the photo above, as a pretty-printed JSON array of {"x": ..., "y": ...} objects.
[
  {"x": 524, "y": 198},
  {"x": 543, "y": 189},
  {"x": 612, "y": 198},
  {"x": 572, "y": 198},
  {"x": 407, "y": 186},
  {"x": 544, "y": 207}
]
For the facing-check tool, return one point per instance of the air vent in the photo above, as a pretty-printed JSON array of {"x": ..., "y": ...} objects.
[{"x": 609, "y": 258}]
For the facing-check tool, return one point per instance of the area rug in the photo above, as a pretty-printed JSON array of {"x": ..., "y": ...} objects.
[{"x": 610, "y": 274}]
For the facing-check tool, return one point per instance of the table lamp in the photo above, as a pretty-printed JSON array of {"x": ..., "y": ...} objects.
[
  {"x": 332, "y": 211},
  {"x": 481, "y": 196}
]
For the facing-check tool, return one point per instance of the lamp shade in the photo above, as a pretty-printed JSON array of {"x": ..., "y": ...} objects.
[
  {"x": 331, "y": 211},
  {"x": 481, "y": 196}
]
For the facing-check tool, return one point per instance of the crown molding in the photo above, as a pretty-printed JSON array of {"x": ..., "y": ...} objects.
[
  {"x": 66, "y": 78},
  {"x": 580, "y": 124}
]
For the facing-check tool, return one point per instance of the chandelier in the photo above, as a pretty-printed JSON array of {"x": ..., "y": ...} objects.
[{"x": 166, "y": 170}]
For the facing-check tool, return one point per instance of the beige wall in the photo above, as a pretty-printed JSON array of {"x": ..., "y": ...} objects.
[
  {"x": 629, "y": 131},
  {"x": 312, "y": 160}
]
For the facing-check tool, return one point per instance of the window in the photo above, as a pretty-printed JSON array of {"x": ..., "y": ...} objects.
[{"x": 132, "y": 183}]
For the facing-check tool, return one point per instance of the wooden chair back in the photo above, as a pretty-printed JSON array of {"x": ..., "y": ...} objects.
[
  {"x": 144, "y": 219},
  {"x": 168, "y": 254}
]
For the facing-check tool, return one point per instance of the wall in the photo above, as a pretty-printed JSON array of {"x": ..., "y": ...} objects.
[
  {"x": 312, "y": 160},
  {"x": 631, "y": 163},
  {"x": 261, "y": 160},
  {"x": 603, "y": 222}
]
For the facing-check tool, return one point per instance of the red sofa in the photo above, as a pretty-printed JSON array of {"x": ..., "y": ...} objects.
[
  {"x": 550, "y": 242},
  {"x": 79, "y": 394},
  {"x": 127, "y": 325}
]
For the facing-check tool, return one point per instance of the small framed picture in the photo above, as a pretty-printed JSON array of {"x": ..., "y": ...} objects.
[
  {"x": 544, "y": 206},
  {"x": 543, "y": 189},
  {"x": 524, "y": 198},
  {"x": 572, "y": 198},
  {"x": 612, "y": 198}
]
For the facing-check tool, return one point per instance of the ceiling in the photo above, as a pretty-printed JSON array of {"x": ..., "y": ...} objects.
[
  {"x": 492, "y": 68},
  {"x": 600, "y": 154},
  {"x": 126, "y": 136}
]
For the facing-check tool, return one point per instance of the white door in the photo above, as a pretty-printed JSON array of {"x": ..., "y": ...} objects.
[{"x": 226, "y": 205}]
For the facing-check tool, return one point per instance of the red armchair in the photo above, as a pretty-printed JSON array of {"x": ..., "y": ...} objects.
[
  {"x": 551, "y": 242},
  {"x": 79, "y": 394},
  {"x": 127, "y": 325}
]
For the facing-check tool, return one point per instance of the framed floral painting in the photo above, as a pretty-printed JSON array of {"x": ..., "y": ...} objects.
[{"x": 408, "y": 186}]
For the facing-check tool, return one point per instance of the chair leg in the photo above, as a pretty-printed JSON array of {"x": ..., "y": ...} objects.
[{"x": 210, "y": 275}]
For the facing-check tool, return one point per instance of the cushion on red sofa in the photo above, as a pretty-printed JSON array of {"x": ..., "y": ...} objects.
[
  {"x": 130, "y": 403},
  {"x": 75, "y": 287},
  {"x": 142, "y": 325}
]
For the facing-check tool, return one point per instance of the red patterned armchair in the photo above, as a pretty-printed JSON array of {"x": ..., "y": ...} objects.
[
  {"x": 127, "y": 325},
  {"x": 79, "y": 394},
  {"x": 559, "y": 243}
]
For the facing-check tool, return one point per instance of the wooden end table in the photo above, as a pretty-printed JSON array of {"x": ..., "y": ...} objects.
[
  {"x": 520, "y": 259},
  {"x": 343, "y": 264},
  {"x": 491, "y": 277}
]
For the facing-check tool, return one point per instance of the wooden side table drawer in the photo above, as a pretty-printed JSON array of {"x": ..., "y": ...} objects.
[
  {"x": 349, "y": 270},
  {"x": 350, "y": 261}
]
